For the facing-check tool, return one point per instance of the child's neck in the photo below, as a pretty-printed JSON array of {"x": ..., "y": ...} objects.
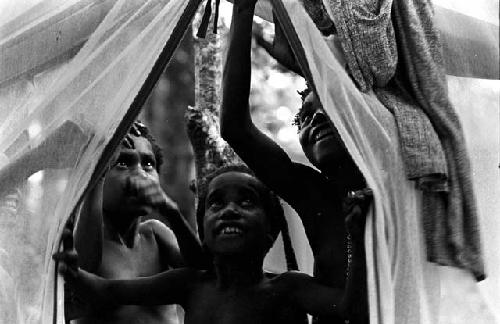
[
  {"x": 122, "y": 231},
  {"x": 238, "y": 270},
  {"x": 346, "y": 176}
]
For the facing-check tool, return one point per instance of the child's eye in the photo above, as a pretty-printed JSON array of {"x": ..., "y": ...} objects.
[
  {"x": 121, "y": 164},
  {"x": 215, "y": 204},
  {"x": 149, "y": 165},
  {"x": 247, "y": 203}
]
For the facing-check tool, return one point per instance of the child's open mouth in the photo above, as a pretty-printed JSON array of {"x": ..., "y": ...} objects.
[{"x": 229, "y": 230}]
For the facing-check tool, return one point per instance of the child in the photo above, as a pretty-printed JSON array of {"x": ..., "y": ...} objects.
[
  {"x": 114, "y": 242},
  {"x": 318, "y": 197},
  {"x": 241, "y": 221}
]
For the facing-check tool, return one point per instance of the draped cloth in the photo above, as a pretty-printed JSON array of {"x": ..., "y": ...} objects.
[
  {"x": 69, "y": 72},
  {"x": 402, "y": 286},
  {"x": 394, "y": 248},
  {"x": 385, "y": 39}
]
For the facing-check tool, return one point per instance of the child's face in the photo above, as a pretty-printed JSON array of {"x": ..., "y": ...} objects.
[
  {"x": 320, "y": 141},
  {"x": 235, "y": 221},
  {"x": 138, "y": 161}
]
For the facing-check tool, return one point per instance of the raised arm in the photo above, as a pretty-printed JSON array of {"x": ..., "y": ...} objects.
[
  {"x": 260, "y": 153},
  {"x": 319, "y": 300},
  {"x": 181, "y": 249},
  {"x": 184, "y": 240},
  {"x": 352, "y": 301},
  {"x": 89, "y": 230}
]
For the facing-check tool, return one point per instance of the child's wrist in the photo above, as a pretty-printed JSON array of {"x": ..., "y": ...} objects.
[{"x": 245, "y": 7}]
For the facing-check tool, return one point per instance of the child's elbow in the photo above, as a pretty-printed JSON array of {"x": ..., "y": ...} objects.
[
  {"x": 225, "y": 130},
  {"x": 229, "y": 131}
]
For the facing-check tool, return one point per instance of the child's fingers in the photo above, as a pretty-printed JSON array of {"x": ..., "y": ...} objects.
[
  {"x": 58, "y": 256},
  {"x": 70, "y": 223},
  {"x": 67, "y": 239},
  {"x": 68, "y": 273},
  {"x": 354, "y": 215},
  {"x": 68, "y": 257},
  {"x": 142, "y": 187},
  {"x": 128, "y": 142},
  {"x": 135, "y": 185},
  {"x": 68, "y": 263},
  {"x": 63, "y": 269}
]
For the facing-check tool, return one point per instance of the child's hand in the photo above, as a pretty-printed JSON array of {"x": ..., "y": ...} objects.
[
  {"x": 85, "y": 285},
  {"x": 355, "y": 208},
  {"x": 68, "y": 258},
  {"x": 148, "y": 190}
]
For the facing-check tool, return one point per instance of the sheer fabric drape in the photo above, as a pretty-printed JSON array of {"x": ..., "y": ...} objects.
[
  {"x": 70, "y": 70},
  {"x": 403, "y": 286}
]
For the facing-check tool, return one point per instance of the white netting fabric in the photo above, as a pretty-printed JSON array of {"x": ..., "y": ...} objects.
[
  {"x": 403, "y": 286},
  {"x": 62, "y": 97},
  {"x": 69, "y": 72}
]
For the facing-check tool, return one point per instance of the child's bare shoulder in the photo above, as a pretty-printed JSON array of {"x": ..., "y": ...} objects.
[
  {"x": 290, "y": 280},
  {"x": 157, "y": 228}
]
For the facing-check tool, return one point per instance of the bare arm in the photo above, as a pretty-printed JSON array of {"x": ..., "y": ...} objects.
[
  {"x": 189, "y": 244},
  {"x": 170, "y": 287},
  {"x": 191, "y": 253},
  {"x": 320, "y": 300},
  {"x": 89, "y": 230},
  {"x": 264, "y": 156},
  {"x": 351, "y": 302},
  {"x": 182, "y": 248}
]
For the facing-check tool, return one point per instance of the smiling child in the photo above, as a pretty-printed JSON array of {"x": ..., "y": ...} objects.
[{"x": 240, "y": 224}]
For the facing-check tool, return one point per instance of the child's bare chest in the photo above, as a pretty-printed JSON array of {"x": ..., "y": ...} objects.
[
  {"x": 241, "y": 306},
  {"x": 122, "y": 262}
]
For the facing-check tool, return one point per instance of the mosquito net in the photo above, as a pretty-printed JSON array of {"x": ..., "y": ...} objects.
[
  {"x": 69, "y": 73},
  {"x": 403, "y": 286}
]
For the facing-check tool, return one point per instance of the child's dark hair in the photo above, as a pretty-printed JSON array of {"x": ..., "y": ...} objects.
[
  {"x": 272, "y": 206},
  {"x": 140, "y": 130}
]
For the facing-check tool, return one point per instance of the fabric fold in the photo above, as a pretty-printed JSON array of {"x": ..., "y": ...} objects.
[
  {"x": 423, "y": 71},
  {"x": 367, "y": 36},
  {"x": 423, "y": 155},
  {"x": 384, "y": 40}
]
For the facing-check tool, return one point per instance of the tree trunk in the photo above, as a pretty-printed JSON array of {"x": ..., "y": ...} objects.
[{"x": 210, "y": 150}]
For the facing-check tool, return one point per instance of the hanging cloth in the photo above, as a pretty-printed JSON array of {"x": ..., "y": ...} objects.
[
  {"x": 72, "y": 80},
  {"x": 422, "y": 71},
  {"x": 402, "y": 286},
  {"x": 385, "y": 40}
]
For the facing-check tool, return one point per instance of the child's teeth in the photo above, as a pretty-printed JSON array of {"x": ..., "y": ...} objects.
[{"x": 231, "y": 230}]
